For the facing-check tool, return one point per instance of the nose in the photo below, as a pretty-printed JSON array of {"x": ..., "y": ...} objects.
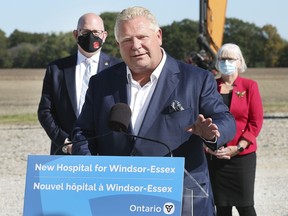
[{"x": 136, "y": 44}]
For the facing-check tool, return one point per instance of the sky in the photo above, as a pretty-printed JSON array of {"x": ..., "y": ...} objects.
[{"x": 47, "y": 16}]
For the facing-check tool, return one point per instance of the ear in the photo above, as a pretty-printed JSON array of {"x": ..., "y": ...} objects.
[
  {"x": 105, "y": 34},
  {"x": 159, "y": 36},
  {"x": 75, "y": 34}
]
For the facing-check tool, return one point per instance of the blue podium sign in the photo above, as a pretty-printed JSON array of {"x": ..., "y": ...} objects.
[{"x": 103, "y": 185}]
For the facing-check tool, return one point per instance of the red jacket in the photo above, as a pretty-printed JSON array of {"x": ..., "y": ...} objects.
[{"x": 246, "y": 107}]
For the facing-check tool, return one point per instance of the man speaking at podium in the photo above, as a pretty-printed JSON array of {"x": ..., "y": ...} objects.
[{"x": 172, "y": 102}]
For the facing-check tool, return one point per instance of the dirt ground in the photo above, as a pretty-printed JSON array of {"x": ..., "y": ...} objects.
[
  {"x": 20, "y": 90},
  {"x": 20, "y": 93}
]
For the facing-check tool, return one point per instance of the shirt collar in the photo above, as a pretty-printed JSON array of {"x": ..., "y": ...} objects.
[{"x": 81, "y": 57}]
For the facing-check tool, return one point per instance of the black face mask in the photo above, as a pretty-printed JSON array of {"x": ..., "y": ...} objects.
[{"x": 89, "y": 42}]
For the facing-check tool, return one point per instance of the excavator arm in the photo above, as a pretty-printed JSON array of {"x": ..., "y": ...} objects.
[
  {"x": 212, "y": 15},
  {"x": 212, "y": 21}
]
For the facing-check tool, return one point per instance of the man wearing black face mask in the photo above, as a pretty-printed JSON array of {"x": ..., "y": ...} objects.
[
  {"x": 90, "y": 41},
  {"x": 65, "y": 82}
]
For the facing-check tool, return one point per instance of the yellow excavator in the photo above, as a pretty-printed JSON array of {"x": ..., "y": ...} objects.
[{"x": 212, "y": 17}]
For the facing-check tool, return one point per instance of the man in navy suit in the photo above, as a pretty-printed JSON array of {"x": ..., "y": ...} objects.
[
  {"x": 60, "y": 102},
  {"x": 171, "y": 101}
]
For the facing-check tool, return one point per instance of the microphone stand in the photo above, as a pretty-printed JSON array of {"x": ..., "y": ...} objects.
[
  {"x": 149, "y": 139},
  {"x": 190, "y": 193}
]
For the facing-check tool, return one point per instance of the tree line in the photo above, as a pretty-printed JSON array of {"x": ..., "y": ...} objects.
[{"x": 261, "y": 46}]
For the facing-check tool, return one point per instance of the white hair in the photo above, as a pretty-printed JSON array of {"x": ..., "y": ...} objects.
[
  {"x": 133, "y": 12},
  {"x": 230, "y": 50}
]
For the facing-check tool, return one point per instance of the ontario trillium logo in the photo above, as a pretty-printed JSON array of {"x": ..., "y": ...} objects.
[{"x": 168, "y": 208}]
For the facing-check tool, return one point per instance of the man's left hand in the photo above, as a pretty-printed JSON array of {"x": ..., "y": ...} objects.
[{"x": 204, "y": 128}]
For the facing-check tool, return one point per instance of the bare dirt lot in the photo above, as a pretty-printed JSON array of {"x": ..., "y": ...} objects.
[{"x": 20, "y": 94}]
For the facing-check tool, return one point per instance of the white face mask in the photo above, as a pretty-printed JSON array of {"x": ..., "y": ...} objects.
[{"x": 227, "y": 68}]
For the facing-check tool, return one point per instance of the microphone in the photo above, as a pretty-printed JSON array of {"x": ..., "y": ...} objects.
[{"x": 119, "y": 119}]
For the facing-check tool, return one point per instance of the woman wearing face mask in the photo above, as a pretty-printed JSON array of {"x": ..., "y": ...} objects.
[{"x": 232, "y": 167}]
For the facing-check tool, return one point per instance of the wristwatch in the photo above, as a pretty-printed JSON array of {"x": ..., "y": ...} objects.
[
  {"x": 65, "y": 149},
  {"x": 240, "y": 148}
]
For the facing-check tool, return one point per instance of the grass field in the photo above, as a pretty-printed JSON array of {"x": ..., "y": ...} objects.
[{"x": 21, "y": 90}]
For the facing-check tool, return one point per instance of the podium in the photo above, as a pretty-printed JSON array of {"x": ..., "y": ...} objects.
[{"x": 104, "y": 185}]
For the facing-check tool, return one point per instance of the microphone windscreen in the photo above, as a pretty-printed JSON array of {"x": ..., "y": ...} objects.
[{"x": 119, "y": 117}]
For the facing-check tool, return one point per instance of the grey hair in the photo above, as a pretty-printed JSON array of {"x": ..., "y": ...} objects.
[
  {"x": 230, "y": 50},
  {"x": 131, "y": 13}
]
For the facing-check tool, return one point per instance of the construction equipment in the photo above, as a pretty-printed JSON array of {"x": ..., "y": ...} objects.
[{"x": 212, "y": 16}]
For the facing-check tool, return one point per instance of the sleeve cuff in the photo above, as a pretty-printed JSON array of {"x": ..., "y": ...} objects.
[
  {"x": 211, "y": 144},
  {"x": 210, "y": 141}
]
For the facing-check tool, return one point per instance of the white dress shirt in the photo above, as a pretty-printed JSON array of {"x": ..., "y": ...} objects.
[
  {"x": 80, "y": 71},
  {"x": 139, "y": 97}
]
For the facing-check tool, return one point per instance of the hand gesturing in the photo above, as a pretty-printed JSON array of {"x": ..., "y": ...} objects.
[{"x": 204, "y": 127}]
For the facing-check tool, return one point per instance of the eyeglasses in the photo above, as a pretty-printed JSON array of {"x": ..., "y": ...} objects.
[
  {"x": 96, "y": 33},
  {"x": 230, "y": 60}
]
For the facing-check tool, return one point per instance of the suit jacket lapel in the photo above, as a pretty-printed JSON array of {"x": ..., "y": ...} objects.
[
  {"x": 70, "y": 80},
  {"x": 237, "y": 97},
  {"x": 104, "y": 62},
  {"x": 167, "y": 83}
]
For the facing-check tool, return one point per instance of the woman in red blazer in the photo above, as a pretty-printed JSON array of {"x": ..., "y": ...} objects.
[{"x": 232, "y": 167}]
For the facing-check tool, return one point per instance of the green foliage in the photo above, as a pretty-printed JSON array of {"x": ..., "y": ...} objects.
[
  {"x": 261, "y": 46},
  {"x": 5, "y": 60},
  {"x": 283, "y": 57},
  {"x": 56, "y": 46},
  {"x": 19, "y": 119},
  {"x": 21, "y": 54},
  {"x": 110, "y": 45},
  {"x": 272, "y": 47},
  {"x": 249, "y": 38},
  {"x": 179, "y": 39},
  {"x": 18, "y": 37},
  {"x": 3, "y": 40}
]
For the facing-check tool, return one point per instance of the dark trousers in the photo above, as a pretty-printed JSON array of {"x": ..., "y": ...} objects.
[{"x": 243, "y": 211}]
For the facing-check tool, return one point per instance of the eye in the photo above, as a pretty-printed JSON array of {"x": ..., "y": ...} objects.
[
  {"x": 94, "y": 32},
  {"x": 84, "y": 32},
  {"x": 230, "y": 60},
  {"x": 126, "y": 40},
  {"x": 97, "y": 32}
]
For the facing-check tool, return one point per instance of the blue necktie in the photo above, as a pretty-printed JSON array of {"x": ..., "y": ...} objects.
[{"x": 86, "y": 77}]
